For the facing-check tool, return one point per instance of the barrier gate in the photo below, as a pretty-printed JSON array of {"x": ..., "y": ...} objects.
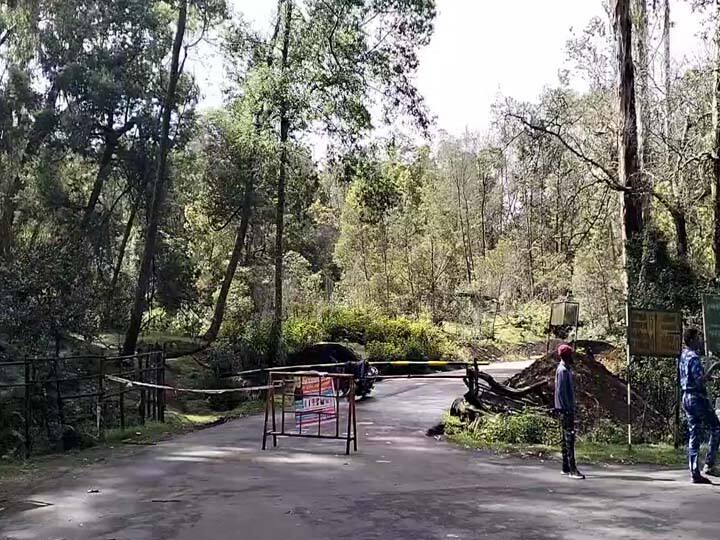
[{"x": 316, "y": 407}]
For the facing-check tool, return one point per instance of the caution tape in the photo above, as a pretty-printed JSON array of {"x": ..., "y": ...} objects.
[
  {"x": 129, "y": 383},
  {"x": 430, "y": 363}
]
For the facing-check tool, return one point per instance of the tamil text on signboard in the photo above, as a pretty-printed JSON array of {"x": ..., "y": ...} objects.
[
  {"x": 654, "y": 333},
  {"x": 315, "y": 402}
]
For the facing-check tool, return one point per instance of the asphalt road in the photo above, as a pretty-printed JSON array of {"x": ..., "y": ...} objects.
[{"x": 217, "y": 484}]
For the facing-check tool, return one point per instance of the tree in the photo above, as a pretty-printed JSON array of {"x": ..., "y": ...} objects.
[
  {"x": 332, "y": 56},
  {"x": 628, "y": 164},
  {"x": 235, "y": 161},
  {"x": 716, "y": 141},
  {"x": 642, "y": 64},
  {"x": 138, "y": 308}
]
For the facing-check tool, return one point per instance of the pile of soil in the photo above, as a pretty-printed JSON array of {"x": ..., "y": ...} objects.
[{"x": 599, "y": 393}]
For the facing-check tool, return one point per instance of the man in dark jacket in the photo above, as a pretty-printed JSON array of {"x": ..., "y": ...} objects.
[
  {"x": 696, "y": 404},
  {"x": 565, "y": 405}
]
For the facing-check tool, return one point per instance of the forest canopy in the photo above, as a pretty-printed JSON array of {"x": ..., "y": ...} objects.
[{"x": 127, "y": 209}]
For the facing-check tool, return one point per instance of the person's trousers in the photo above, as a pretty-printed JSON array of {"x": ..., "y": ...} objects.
[
  {"x": 568, "y": 441},
  {"x": 698, "y": 412}
]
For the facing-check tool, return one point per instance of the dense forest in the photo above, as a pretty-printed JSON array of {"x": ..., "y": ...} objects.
[{"x": 127, "y": 210}]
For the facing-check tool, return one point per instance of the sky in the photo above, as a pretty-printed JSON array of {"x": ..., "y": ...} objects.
[{"x": 482, "y": 49}]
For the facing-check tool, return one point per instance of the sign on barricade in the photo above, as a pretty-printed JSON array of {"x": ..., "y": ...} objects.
[
  {"x": 313, "y": 399},
  {"x": 314, "y": 402}
]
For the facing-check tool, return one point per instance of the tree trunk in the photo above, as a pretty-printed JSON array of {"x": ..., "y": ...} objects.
[
  {"x": 219, "y": 313},
  {"x": 483, "y": 225},
  {"x": 716, "y": 144},
  {"x": 133, "y": 331},
  {"x": 643, "y": 103},
  {"x": 102, "y": 175},
  {"x": 386, "y": 269},
  {"x": 465, "y": 237},
  {"x": 468, "y": 229},
  {"x": 363, "y": 254},
  {"x": 528, "y": 196},
  {"x": 628, "y": 165},
  {"x": 280, "y": 211},
  {"x": 33, "y": 146},
  {"x": 680, "y": 222},
  {"x": 433, "y": 287},
  {"x": 667, "y": 79},
  {"x": 121, "y": 251}
]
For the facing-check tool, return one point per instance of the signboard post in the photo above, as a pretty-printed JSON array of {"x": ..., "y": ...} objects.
[{"x": 651, "y": 333}]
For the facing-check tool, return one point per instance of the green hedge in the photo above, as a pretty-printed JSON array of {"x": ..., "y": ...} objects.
[
  {"x": 496, "y": 429},
  {"x": 384, "y": 338},
  {"x": 387, "y": 338}
]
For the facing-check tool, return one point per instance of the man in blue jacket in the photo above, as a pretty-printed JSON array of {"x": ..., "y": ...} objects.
[
  {"x": 565, "y": 405},
  {"x": 696, "y": 404}
]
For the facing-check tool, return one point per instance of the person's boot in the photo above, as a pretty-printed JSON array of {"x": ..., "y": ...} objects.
[
  {"x": 700, "y": 479},
  {"x": 697, "y": 478},
  {"x": 711, "y": 470},
  {"x": 576, "y": 475}
]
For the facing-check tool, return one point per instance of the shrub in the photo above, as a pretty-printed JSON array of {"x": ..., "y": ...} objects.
[
  {"x": 606, "y": 432},
  {"x": 300, "y": 332},
  {"x": 524, "y": 428},
  {"x": 349, "y": 324}
]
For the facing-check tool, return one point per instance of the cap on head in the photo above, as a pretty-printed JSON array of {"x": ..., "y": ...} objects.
[{"x": 565, "y": 351}]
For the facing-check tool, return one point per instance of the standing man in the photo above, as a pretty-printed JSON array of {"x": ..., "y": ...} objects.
[
  {"x": 565, "y": 405},
  {"x": 696, "y": 404}
]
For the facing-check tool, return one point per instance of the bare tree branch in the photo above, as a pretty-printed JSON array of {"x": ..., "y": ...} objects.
[{"x": 610, "y": 178}]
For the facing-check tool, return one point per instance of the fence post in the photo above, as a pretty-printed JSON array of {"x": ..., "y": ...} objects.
[
  {"x": 61, "y": 413},
  {"x": 156, "y": 391},
  {"x": 28, "y": 408},
  {"x": 101, "y": 398},
  {"x": 163, "y": 367},
  {"x": 122, "y": 409},
  {"x": 141, "y": 405}
]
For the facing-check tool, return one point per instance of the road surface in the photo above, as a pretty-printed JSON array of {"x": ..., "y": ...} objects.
[{"x": 216, "y": 484}]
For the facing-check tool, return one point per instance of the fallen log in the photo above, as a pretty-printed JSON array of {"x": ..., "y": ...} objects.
[{"x": 508, "y": 391}]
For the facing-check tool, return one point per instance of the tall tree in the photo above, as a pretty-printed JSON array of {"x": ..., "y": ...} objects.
[
  {"x": 716, "y": 140},
  {"x": 283, "y": 113},
  {"x": 138, "y": 308},
  {"x": 334, "y": 60},
  {"x": 643, "y": 100},
  {"x": 628, "y": 162}
]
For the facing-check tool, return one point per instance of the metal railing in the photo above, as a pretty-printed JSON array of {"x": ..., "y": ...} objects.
[{"x": 67, "y": 390}]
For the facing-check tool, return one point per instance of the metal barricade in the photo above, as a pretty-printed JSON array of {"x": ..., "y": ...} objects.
[{"x": 316, "y": 399}]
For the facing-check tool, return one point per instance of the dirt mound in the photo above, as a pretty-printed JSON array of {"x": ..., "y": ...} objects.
[{"x": 600, "y": 394}]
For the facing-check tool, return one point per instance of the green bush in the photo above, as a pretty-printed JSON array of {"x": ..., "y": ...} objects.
[
  {"x": 606, "y": 432},
  {"x": 347, "y": 324},
  {"x": 300, "y": 332},
  {"x": 386, "y": 338},
  {"x": 524, "y": 428},
  {"x": 382, "y": 350}
]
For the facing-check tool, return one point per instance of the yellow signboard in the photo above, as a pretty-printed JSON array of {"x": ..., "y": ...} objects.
[{"x": 654, "y": 333}]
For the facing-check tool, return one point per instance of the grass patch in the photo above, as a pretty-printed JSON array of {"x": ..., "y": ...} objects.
[{"x": 588, "y": 452}]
